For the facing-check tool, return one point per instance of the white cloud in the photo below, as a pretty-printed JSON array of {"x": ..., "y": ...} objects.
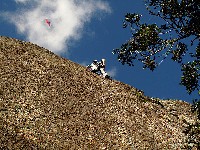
[
  {"x": 112, "y": 72},
  {"x": 67, "y": 17}
]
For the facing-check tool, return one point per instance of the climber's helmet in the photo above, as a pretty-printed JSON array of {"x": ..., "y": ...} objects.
[{"x": 95, "y": 61}]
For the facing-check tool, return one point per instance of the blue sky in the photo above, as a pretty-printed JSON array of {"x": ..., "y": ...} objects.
[{"x": 86, "y": 30}]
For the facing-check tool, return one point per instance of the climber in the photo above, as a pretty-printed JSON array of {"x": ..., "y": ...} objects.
[{"x": 98, "y": 68}]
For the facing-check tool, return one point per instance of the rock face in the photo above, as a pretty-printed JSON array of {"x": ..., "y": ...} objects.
[{"x": 48, "y": 102}]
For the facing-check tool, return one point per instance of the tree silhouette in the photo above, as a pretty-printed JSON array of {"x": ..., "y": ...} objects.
[{"x": 150, "y": 44}]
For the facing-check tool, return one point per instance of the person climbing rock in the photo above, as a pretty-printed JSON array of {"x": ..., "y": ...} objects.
[{"x": 98, "y": 67}]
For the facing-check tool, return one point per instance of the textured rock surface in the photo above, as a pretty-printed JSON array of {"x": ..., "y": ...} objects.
[{"x": 48, "y": 102}]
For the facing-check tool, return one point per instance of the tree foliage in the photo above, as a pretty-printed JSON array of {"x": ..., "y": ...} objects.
[
  {"x": 193, "y": 130},
  {"x": 152, "y": 43}
]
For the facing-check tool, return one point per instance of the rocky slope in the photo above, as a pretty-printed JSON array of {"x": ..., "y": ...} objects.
[{"x": 48, "y": 102}]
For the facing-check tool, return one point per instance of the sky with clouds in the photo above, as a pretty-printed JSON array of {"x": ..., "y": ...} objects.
[
  {"x": 67, "y": 20},
  {"x": 83, "y": 30}
]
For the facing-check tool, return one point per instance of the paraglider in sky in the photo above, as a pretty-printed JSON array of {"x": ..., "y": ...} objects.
[{"x": 48, "y": 22}]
